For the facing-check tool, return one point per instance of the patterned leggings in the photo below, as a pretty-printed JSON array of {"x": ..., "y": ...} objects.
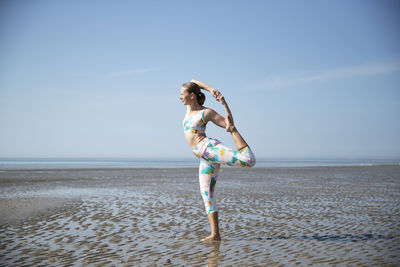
[{"x": 211, "y": 158}]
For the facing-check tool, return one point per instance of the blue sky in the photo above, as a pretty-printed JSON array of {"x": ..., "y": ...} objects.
[{"x": 304, "y": 79}]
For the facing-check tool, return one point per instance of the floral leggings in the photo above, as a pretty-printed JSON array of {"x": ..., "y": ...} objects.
[{"x": 212, "y": 154}]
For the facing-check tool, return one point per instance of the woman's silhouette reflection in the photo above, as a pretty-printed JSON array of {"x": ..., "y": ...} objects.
[{"x": 213, "y": 256}]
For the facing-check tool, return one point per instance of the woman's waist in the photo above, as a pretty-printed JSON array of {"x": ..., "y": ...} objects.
[
  {"x": 194, "y": 130},
  {"x": 202, "y": 145},
  {"x": 195, "y": 139}
]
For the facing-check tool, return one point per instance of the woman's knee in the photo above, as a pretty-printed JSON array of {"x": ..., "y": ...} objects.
[
  {"x": 249, "y": 157},
  {"x": 209, "y": 202},
  {"x": 208, "y": 178},
  {"x": 251, "y": 162}
]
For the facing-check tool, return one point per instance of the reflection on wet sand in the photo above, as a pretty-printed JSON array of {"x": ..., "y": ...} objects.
[
  {"x": 155, "y": 217},
  {"x": 342, "y": 238},
  {"x": 213, "y": 255}
]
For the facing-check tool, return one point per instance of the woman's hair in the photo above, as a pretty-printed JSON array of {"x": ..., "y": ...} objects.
[{"x": 192, "y": 87}]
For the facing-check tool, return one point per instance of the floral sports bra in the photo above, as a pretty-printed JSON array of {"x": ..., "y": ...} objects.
[{"x": 195, "y": 123}]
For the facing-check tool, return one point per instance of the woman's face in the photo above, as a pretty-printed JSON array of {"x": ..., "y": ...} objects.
[{"x": 185, "y": 97}]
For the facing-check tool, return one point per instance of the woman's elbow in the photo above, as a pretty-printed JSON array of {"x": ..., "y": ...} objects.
[{"x": 221, "y": 123}]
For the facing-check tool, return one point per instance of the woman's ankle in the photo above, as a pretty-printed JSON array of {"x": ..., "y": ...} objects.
[
  {"x": 232, "y": 129},
  {"x": 243, "y": 147}
]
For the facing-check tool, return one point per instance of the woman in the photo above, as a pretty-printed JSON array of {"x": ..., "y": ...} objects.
[{"x": 210, "y": 151}]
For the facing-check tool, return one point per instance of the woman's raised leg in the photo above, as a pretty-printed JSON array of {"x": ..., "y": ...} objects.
[
  {"x": 218, "y": 153},
  {"x": 237, "y": 138}
]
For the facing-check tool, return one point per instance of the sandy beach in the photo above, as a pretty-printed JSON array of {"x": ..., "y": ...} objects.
[{"x": 325, "y": 216}]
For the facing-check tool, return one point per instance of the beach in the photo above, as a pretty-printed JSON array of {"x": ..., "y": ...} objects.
[{"x": 281, "y": 216}]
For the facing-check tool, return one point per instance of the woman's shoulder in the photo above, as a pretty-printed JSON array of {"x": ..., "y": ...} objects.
[
  {"x": 208, "y": 113},
  {"x": 207, "y": 110}
]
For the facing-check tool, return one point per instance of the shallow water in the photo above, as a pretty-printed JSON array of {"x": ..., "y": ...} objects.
[{"x": 154, "y": 217}]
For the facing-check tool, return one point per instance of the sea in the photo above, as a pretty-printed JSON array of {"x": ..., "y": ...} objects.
[{"x": 115, "y": 163}]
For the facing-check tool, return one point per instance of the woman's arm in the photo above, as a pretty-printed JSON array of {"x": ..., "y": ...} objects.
[
  {"x": 224, "y": 122},
  {"x": 202, "y": 85},
  {"x": 216, "y": 118},
  {"x": 214, "y": 92},
  {"x": 229, "y": 125}
]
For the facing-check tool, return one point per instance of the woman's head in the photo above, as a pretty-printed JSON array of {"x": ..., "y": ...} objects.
[{"x": 191, "y": 92}]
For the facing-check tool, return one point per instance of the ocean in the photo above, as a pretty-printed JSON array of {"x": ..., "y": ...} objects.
[{"x": 100, "y": 163}]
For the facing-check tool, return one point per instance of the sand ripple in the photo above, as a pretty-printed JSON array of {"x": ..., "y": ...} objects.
[{"x": 269, "y": 217}]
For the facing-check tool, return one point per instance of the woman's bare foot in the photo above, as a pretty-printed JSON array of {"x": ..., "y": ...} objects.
[
  {"x": 229, "y": 124},
  {"x": 212, "y": 238}
]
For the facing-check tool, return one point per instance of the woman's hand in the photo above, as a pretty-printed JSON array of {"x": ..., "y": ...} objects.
[
  {"x": 217, "y": 95},
  {"x": 221, "y": 99},
  {"x": 230, "y": 127},
  {"x": 214, "y": 92}
]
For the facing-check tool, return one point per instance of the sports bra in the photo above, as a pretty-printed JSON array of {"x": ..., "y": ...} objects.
[{"x": 195, "y": 123}]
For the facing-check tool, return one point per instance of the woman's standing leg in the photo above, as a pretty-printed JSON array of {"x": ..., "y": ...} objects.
[
  {"x": 213, "y": 156},
  {"x": 208, "y": 172}
]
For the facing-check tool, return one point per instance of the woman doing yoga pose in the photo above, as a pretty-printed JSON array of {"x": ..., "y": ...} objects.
[{"x": 210, "y": 151}]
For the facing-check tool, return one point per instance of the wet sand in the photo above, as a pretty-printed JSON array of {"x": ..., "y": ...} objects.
[{"x": 324, "y": 216}]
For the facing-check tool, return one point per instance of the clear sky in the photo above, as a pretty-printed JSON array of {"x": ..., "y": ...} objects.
[{"x": 304, "y": 79}]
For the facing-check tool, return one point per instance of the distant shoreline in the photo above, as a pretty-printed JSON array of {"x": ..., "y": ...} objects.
[
  {"x": 171, "y": 163},
  {"x": 194, "y": 168}
]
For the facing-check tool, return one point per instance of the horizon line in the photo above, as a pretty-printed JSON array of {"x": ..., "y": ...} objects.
[{"x": 190, "y": 158}]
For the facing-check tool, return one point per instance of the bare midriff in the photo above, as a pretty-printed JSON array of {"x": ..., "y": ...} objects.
[{"x": 194, "y": 139}]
